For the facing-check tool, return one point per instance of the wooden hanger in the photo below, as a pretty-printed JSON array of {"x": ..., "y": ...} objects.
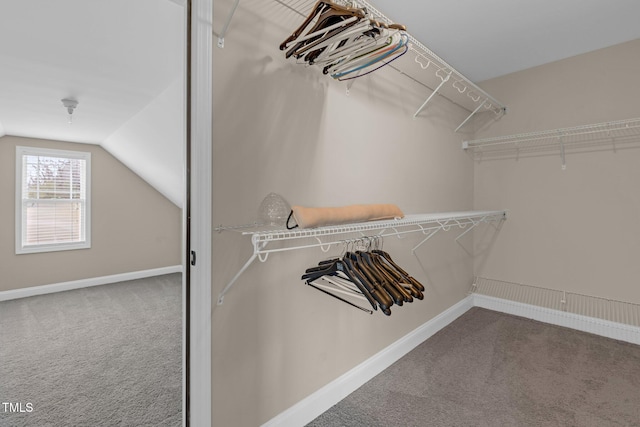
[
  {"x": 396, "y": 296},
  {"x": 324, "y": 10},
  {"x": 404, "y": 274},
  {"x": 373, "y": 286}
]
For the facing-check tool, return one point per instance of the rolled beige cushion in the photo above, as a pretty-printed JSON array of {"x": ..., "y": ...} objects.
[{"x": 319, "y": 217}]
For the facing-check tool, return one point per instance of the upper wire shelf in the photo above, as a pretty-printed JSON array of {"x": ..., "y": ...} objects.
[
  {"x": 460, "y": 88},
  {"x": 612, "y": 134},
  {"x": 443, "y": 79},
  {"x": 428, "y": 224}
]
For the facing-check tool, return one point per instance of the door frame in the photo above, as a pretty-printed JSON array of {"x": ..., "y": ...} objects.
[{"x": 197, "y": 214}]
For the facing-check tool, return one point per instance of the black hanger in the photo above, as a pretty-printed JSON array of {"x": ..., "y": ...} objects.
[
  {"x": 333, "y": 268},
  {"x": 339, "y": 297}
]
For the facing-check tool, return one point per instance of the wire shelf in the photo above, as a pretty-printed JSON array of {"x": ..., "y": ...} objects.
[
  {"x": 418, "y": 221},
  {"x": 428, "y": 224},
  {"x": 444, "y": 72},
  {"x": 626, "y": 313},
  {"x": 421, "y": 65},
  {"x": 606, "y": 134}
]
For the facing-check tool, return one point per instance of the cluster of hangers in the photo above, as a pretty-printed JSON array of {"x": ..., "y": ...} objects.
[
  {"x": 365, "y": 272},
  {"x": 347, "y": 42}
]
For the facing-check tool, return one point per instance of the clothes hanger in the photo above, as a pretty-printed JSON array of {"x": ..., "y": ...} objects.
[
  {"x": 393, "y": 280},
  {"x": 372, "y": 24},
  {"x": 343, "y": 36},
  {"x": 317, "y": 9},
  {"x": 371, "y": 58},
  {"x": 346, "y": 48},
  {"x": 403, "y": 273},
  {"x": 364, "y": 272},
  {"x": 345, "y": 59},
  {"x": 324, "y": 11},
  {"x": 339, "y": 285},
  {"x": 373, "y": 270},
  {"x": 375, "y": 30},
  {"x": 403, "y": 285},
  {"x": 334, "y": 268},
  {"x": 313, "y": 285},
  {"x": 367, "y": 279},
  {"x": 374, "y": 260},
  {"x": 331, "y": 26},
  {"x": 383, "y": 44},
  {"x": 381, "y": 62}
]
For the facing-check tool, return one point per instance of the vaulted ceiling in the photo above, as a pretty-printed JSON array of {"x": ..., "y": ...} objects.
[
  {"x": 486, "y": 39},
  {"x": 123, "y": 61}
]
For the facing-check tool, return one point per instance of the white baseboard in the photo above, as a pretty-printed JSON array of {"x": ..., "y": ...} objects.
[
  {"x": 605, "y": 328},
  {"x": 85, "y": 283},
  {"x": 312, "y": 406}
]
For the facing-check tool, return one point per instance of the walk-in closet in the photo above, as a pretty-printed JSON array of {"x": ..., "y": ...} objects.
[{"x": 368, "y": 193}]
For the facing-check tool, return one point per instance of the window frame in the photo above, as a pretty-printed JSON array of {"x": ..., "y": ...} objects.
[{"x": 21, "y": 247}]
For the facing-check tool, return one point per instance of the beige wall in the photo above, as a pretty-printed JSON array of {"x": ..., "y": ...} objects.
[
  {"x": 575, "y": 229},
  {"x": 133, "y": 226},
  {"x": 286, "y": 128}
]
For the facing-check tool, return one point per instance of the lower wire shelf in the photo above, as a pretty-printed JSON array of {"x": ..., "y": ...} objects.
[{"x": 428, "y": 224}]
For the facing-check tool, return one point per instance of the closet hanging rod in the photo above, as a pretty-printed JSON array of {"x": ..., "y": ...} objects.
[{"x": 427, "y": 224}]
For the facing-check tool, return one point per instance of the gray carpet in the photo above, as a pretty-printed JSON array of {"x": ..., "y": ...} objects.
[
  {"x": 102, "y": 356},
  {"x": 493, "y": 369}
]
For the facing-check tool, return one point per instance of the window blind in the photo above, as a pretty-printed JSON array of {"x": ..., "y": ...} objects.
[{"x": 53, "y": 199}]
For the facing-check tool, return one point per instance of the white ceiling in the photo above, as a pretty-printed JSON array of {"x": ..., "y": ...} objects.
[
  {"x": 122, "y": 60},
  {"x": 113, "y": 56},
  {"x": 490, "y": 38}
]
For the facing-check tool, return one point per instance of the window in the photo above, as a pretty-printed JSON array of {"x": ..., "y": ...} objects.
[{"x": 52, "y": 200}]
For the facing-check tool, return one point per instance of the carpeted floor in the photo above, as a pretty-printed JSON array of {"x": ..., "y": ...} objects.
[
  {"x": 101, "y": 356},
  {"x": 493, "y": 369}
]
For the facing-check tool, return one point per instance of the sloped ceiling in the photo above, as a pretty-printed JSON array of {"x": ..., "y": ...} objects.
[
  {"x": 123, "y": 60},
  {"x": 487, "y": 39},
  {"x": 116, "y": 57}
]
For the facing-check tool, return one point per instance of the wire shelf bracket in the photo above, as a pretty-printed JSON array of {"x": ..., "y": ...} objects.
[
  {"x": 428, "y": 224},
  {"x": 226, "y": 24}
]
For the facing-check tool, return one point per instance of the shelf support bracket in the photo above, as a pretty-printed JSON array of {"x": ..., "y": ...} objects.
[
  {"x": 562, "y": 156},
  {"x": 226, "y": 25},
  {"x": 473, "y": 225},
  {"x": 257, "y": 247},
  {"x": 430, "y": 235},
  {"x": 471, "y": 115},
  {"x": 424, "y": 104},
  {"x": 349, "y": 84}
]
